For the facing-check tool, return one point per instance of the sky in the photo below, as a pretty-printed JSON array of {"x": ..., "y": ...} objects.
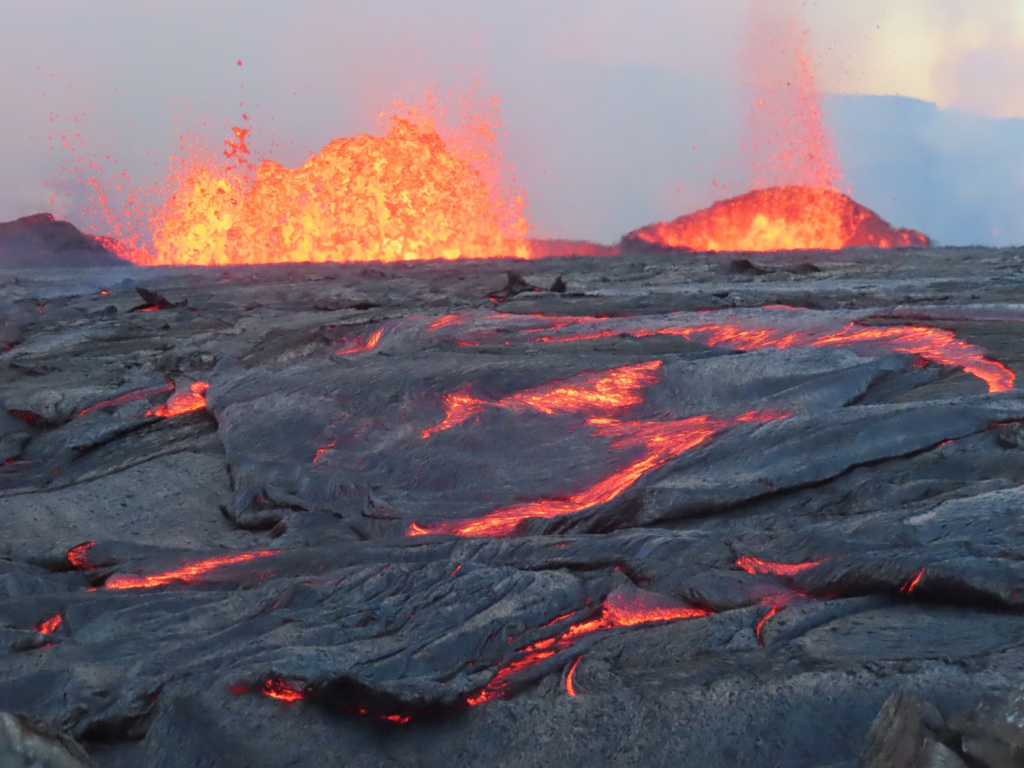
[{"x": 617, "y": 113}]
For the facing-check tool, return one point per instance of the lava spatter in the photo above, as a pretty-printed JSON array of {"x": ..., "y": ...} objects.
[
  {"x": 617, "y": 611},
  {"x": 186, "y": 574},
  {"x": 657, "y": 442}
]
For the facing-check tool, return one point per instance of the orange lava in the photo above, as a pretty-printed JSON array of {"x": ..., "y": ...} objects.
[
  {"x": 778, "y": 219},
  {"x": 283, "y": 690},
  {"x": 911, "y": 584},
  {"x": 570, "y": 688},
  {"x": 408, "y": 195},
  {"x": 358, "y": 345},
  {"x": 78, "y": 555},
  {"x": 183, "y": 402},
  {"x": 129, "y": 397},
  {"x": 764, "y": 567},
  {"x": 49, "y": 626},
  {"x": 591, "y": 392},
  {"x": 772, "y": 610},
  {"x": 186, "y": 574},
  {"x": 616, "y": 611},
  {"x": 657, "y": 442},
  {"x": 935, "y": 345}
]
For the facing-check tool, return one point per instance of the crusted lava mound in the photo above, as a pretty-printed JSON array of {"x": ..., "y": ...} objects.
[
  {"x": 42, "y": 241},
  {"x": 340, "y": 514},
  {"x": 777, "y": 219}
]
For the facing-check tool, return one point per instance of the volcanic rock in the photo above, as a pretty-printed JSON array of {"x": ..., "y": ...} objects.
[
  {"x": 336, "y": 514},
  {"x": 40, "y": 241}
]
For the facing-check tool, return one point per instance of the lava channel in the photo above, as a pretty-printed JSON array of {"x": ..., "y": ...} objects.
[
  {"x": 616, "y": 611},
  {"x": 936, "y": 345},
  {"x": 605, "y": 392},
  {"x": 657, "y": 441},
  {"x": 188, "y": 573},
  {"x": 130, "y": 397}
]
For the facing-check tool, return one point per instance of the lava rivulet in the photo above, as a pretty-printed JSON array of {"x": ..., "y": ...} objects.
[
  {"x": 603, "y": 392},
  {"x": 779, "y": 219},
  {"x": 283, "y": 690},
  {"x": 616, "y": 611},
  {"x": 409, "y": 195},
  {"x": 657, "y": 442},
  {"x": 186, "y": 573},
  {"x": 756, "y": 566},
  {"x": 49, "y": 626},
  {"x": 181, "y": 402},
  {"x": 129, "y": 397},
  {"x": 935, "y": 345}
]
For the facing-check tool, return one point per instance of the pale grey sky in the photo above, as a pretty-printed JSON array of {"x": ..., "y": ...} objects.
[{"x": 604, "y": 100}]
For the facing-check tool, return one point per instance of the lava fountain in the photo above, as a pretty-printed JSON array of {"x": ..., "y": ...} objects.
[
  {"x": 788, "y": 218},
  {"x": 409, "y": 195},
  {"x": 796, "y": 203}
]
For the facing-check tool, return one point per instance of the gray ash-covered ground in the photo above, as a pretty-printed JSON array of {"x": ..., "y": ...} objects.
[{"x": 740, "y": 501}]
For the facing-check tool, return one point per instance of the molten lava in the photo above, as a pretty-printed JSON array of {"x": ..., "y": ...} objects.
[
  {"x": 186, "y": 574},
  {"x": 911, "y": 584},
  {"x": 78, "y": 556},
  {"x": 778, "y": 219},
  {"x": 283, "y": 690},
  {"x": 181, "y": 402},
  {"x": 935, "y": 345},
  {"x": 595, "y": 393},
  {"x": 616, "y": 611},
  {"x": 49, "y": 626},
  {"x": 763, "y": 567},
  {"x": 129, "y": 397},
  {"x": 657, "y": 442},
  {"x": 358, "y": 345},
  {"x": 409, "y": 195}
]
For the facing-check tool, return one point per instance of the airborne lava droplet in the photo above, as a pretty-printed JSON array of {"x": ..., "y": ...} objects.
[{"x": 186, "y": 574}]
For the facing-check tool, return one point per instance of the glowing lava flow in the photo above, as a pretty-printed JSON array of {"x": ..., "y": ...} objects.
[
  {"x": 49, "y": 626},
  {"x": 187, "y": 573},
  {"x": 591, "y": 392},
  {"x": 763, "y": 567},
  {"x": 935, "y": 345},
  {"x": 657, "y": 442},
  {"x": 358, "y": 345},
  {"x": 778, "y": 219},
  {"x": 616, "y": 611},
  {"x": 408, "y": 195},
  {"x": 183, "y": 402},
  {"x": 129, "y": 397},
  {"x": 283, "y": 690},
  {"x": 78, "y": 556}
]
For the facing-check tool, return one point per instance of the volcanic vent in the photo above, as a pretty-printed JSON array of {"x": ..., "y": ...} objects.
[{"x": 777, "y": 219}]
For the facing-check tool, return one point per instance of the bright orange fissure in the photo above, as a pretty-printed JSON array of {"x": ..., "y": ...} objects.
[
  {"x": 604, "y": 392},
  {"x": 186, "y": 574},
  {"x": 658, "y": 441},
  {"x": 616, "y": 611}
]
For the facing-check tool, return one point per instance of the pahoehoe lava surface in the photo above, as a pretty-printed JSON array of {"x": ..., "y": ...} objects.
[{"x": 682, "y": 513}]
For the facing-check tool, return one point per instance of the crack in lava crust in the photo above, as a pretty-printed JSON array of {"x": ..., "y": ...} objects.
[
  {"x": 936, "y": 345},
  {"x": 605, "y": 392},
  {"x": 187, "y": 573},
  {"x": 617, "y": 611},
  {"x": 658, "y": 441}
]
